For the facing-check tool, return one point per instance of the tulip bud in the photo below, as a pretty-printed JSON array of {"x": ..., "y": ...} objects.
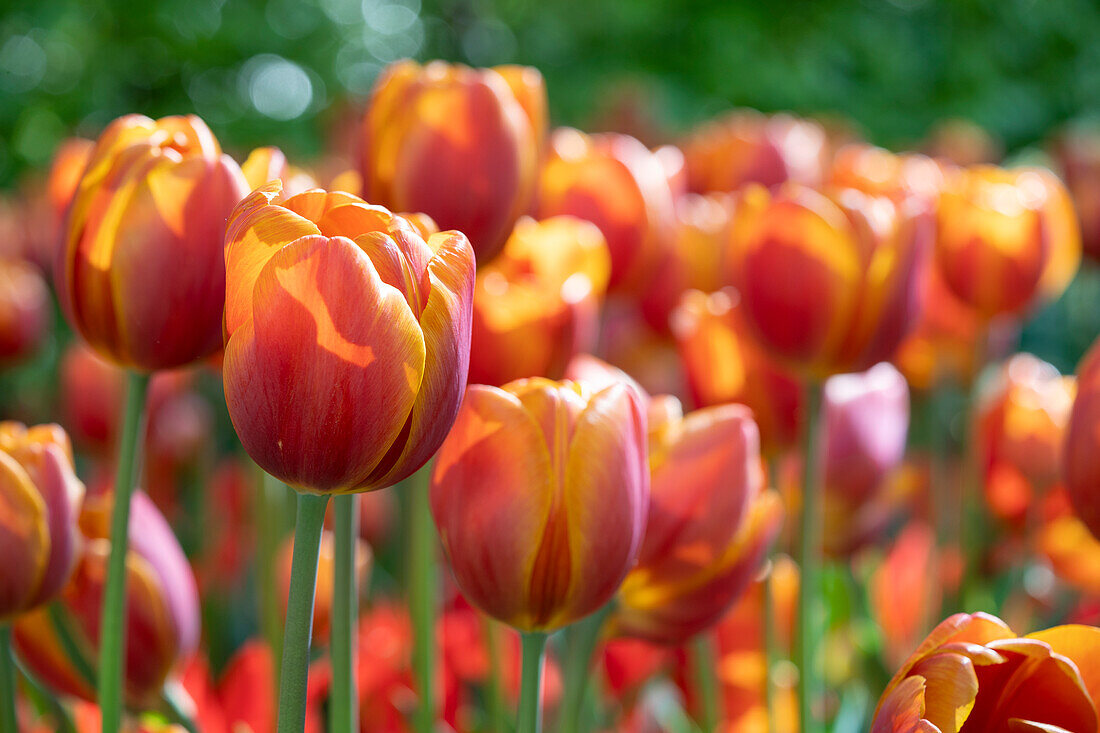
[
  {"x": 724, "y": 364},
  {"x": 347, "y": 338},
  {"x": 1006, "y": 239},
  {"x": 41, "y": 498},
  {"x": 460, "y": 144},
  {"x": 323, "y": 595},
  {"x": 162, "y": 622},
  {"x": 827, "y": 284},
  {"x": 616, "y": 183},
  {"x": 540, "y": 494},
  {"x": 1081, "y": 456},
  {"x": 25, "y": 310},
  {"x": 537, "y": 304},
  {"x": 709, "y": 526},
  {"x": 973, "y": 673}
]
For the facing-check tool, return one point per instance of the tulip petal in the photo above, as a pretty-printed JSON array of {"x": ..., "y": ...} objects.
[
  {"x": 951, "y": 689},
  {"x": 902, "y": 710},
  {"x": 1081, "y": 644},
  {"x": 62, "y": 493},
  {"x": 24, "y": 536}
]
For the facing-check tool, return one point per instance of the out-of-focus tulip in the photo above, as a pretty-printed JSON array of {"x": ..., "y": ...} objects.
[
  {"x": 827, "y": 284},
  {"x": 879, "y": 172},
  {"x": 628, "y": 341},
  {"x": 710, "y": 523},
  {"x": 269, "y": 164},
  {"x": 1068, "y": 545},
  {"x": 66, "y": 170},
  {"x": 1006, "y": 239},
  {"x": 140, "y": 273},
  {"x": 866, "y": 421},
  {"x": 40, "y": 499},
  {"x": 616, "y": 183},
  {"x": 537, "y": 304},
  {"x": 323, "y": 595},
  {"x": 459, "y": 144},
  {"x": 163, "y": 607},
  {"x": 974, "y": 675},
  {"x": 1021, "y": 422},
  {"x": 347, "y": 338},
  {"x": 748, "y": 147},
  {"x": 963, "y": 142},
  {"x": 724, "y": 364},
  {"x": 1078, "y": 154},
  {"x": 25, "y": 311},
  {"x": 900, "y": 593},
  {"x": 1081, "y": 457},
  {"x": 540, "y": 496}
]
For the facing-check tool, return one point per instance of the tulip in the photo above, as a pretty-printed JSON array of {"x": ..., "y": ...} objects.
[
  {"x": 162, "y": 622},
  {"x": 879, "y": 172},
  {"x": 25, "y": 310},
  {"x": 616, "y": 183},
  {"x": 1081, "y": 456},
  {"x": 1078, "y": 155},
  {"x": 710, "y": 524},
  {"x": 748, "y": 147},
  {"x": 459, "y": 144},
  {"x": 973, "y": 674},
  {"x": 899, "y": 592},
  {"x": 270, "y": 164},
  {"x": 66, "y": 170},
  {"x": 537, "y": 304},
  {"x": 723, "y": 363},
  {"x": 323, "y": 602},
  {"x": 827, "y": 284},
  {"x": 140, "y": 273},
  {"x": 41, "y": 496},
  {"x": 1020, "y": 428},
  {"x": 1006, "y": 239}
]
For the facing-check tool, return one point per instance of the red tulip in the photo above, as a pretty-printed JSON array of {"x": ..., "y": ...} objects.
[
  {"x": 1078, "y": 154},
  {"x": 1081, "y": 459},
  {"x": 25, "y": 310}
]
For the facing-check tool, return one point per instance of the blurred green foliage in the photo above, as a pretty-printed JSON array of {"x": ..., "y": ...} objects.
[{"x": 273, "y": 71}]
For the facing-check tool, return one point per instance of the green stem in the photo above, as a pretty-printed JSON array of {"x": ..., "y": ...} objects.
[
  {"x": 529, "y": 714},
  {"x": 580, "y": 641},
  {"x": 62, "y": 628},
  {"x": 63, "y": 723},
  {"x": 269, "y": 503},
  {"x": 344, "y": 707},
  {"x": 112, "y": 646},
  {"x": 179, "y": 706},
  {"x": 706, "y": 668},
  {"x": 299, "y": 612},
  {"x": 8, "y": 719},
  {"x": 494, "y": 692},
  {"x": 771, "y": 652},
  {"x": 809, "y": 552},
  {"x": 422, "y": 589}
]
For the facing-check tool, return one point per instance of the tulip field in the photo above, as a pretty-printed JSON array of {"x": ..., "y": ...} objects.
[{"x": 472, "y": 420}]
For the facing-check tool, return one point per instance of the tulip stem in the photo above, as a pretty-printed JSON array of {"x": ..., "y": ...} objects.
[
  {"x": 529, "y": 714},
  {"x": 706, "y": 669},
  {"x": 344, "y": 707},
  {"x": 62, "y": 628},
  {"x": 494, "y": 692},
  {"x": 580, "y": 641},
  {"x": 299, "y": 612},
  {"x": 8, "y": 719},
  {"x": 422, "y": 574},
  {"x": 809, "y": 545},
  {"x": 179, "y": 705},
  {"x": 269, "y": 502},
  {"x": 112, "y": 647}
]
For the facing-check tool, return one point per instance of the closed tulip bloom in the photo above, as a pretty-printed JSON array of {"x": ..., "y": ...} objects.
[
  {"x": 25, "y": 310},
  {"x": 828, "y": 283},
  {"x": 1081, "y": 455},
  {"x": 879, "y": 172},
  {"x": 973, "y": 674},
  {"x": 140, "y": 272},
  {"x": 40, "y": 499},
  {"x": 347, "y": 338},
  {"x": 537, "y": 304},
  {"x": 540, "y": 496},
  {"x": 459, "y": 144},
  {"x": 723, "y": 363},
  {"x": 710, "y": 523},
  {"x": 1006, "y": 239},
  {"x": 616, "y": 183},
  {"x": 162, "y": 623}
]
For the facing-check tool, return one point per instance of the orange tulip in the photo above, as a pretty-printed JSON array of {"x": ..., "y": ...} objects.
[
  {"x": 973, "y": 674},
  {"x": 723, "y": 364},
  {"x": 269, "y": 164},
  {"x": 25, "y": 310},
  {"x": 66, "y": 170},
  {"x": 1021, "y": 423},
  {"x": 40, "y": 498},
  {"x": 616, "y": 183},
  {"x": 323, "y": 595},
  {"x": 347, "y": 338},
  {"x": 828, "y": 284},
  {"x": 1081, "y": 457},
  {"x": 899, "y": 592},
  {"x": 748, "y": 147},
  {"x": 1006, "y": 239},
  {"x": 460, "y": 144},
  {"x": 540, "y": 495},
  {"x": 537, "y": 304},
  {"x": 163, "y": 607},
  {"x": 1068, "y": 545},
  {"x": 878, "y": 172},
  {"x": 710, "y": 523},
  {"x": 140, "y": 272}
]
